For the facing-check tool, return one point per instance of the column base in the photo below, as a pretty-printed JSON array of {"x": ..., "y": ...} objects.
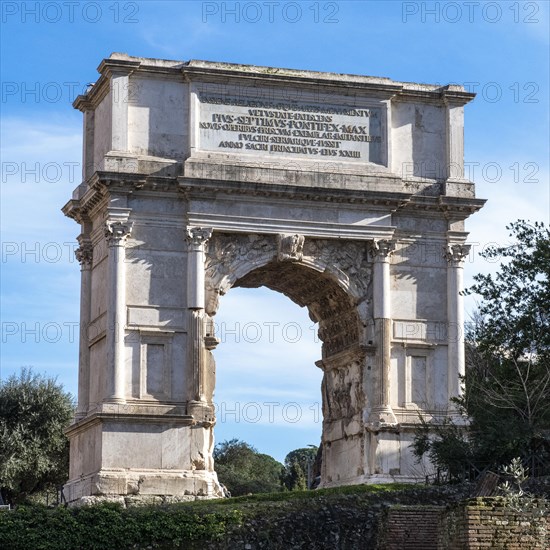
[
  {"x": 202, "y": 412},
  {"x": 381, "y": 418},
  {"x": 115, "y": 400}
]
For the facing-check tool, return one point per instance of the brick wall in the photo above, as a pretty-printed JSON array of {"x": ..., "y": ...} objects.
[
  {"x": 474, "y": 524},
  {"x": 410, "y": 528},
  {"x": 487, "y": 523}
]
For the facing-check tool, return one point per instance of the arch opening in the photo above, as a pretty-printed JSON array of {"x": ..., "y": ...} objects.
[
  {"x": 331, "y": 278},
  {"x": 333, "y": 281},
  {"x": 327, "y": 303},
  {"x": 268, "y": 389}
]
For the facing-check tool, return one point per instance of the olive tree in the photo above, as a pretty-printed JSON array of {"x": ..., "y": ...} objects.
[{"x": 34, "y": 452}]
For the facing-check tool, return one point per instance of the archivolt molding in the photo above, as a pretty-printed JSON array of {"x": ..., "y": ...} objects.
[
  {"x": 232, "y": 256},
  {"x": 229, "y": 257},
  {"x": 338, "y": 299}
]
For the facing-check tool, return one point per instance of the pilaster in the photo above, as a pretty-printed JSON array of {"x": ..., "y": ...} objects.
[
  {"x": 118, "y": 72},
  {"x": 455, "y": 140}
]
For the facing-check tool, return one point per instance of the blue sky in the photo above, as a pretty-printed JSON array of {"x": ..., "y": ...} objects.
[{"x": 267, "y": 386}]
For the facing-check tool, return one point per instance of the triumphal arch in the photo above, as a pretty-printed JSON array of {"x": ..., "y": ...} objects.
[{"x": 345, "y": 193}]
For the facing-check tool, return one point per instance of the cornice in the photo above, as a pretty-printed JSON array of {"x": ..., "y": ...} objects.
[
  {"x": 71, "y": 209},
  {"x": 107, "y": 68},
  {"x": 384, "y": 89},
  {"x": 459, "y": 205},
  {"x": 93, "y": 97},
  {"x": 83, "y": 103},
  {"x": 209, "y": 71},
  {"x": 128, "y": 417},
  {"x": 375, "y": 85},
  {"x": 451, "y": 206},
  {"x": 113, "y": 65},
  {"x": 447, "y": 95},
  {"x": 103, "y": 183}
]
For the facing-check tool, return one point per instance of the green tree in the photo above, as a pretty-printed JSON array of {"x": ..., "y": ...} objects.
[
  {"x": 295, "y": 474},
  {"x": 242, "y": 469},
  {"x": 34, "y": 452},
  {"x": 507, "y": 385}
]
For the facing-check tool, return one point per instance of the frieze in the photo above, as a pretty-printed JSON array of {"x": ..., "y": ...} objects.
[{"x": 342, "y": 391}]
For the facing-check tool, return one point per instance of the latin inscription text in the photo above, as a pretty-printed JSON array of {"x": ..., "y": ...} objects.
[{"x": 288, "y": 128}]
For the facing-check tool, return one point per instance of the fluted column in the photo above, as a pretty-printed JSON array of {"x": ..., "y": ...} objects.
[
  {"x": 116, "y": 234},
  {"x": 455, "y": 255},
  {"x": 381, "y": 251},
  {"x": 196, "y": 240},
  {"x": 84, "y": 254}
]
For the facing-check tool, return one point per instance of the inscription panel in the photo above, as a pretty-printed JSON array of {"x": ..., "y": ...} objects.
[{"x": 290, "y": 128}]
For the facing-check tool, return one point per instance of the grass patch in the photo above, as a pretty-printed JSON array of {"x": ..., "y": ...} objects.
[{"x": 302, "y": 495}]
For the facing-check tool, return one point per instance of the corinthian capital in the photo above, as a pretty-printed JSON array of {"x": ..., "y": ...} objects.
[
  {"x": 197, "y": 236},
  {"x": 85, "y": 254},
  {"x": 455, "y": 253},
  {"x": 381, "y": 249},
  {"x": 117, "y": 232}
]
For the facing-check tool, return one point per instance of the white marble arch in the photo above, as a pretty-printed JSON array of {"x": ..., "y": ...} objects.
[{"x": 344, "y": 192}]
